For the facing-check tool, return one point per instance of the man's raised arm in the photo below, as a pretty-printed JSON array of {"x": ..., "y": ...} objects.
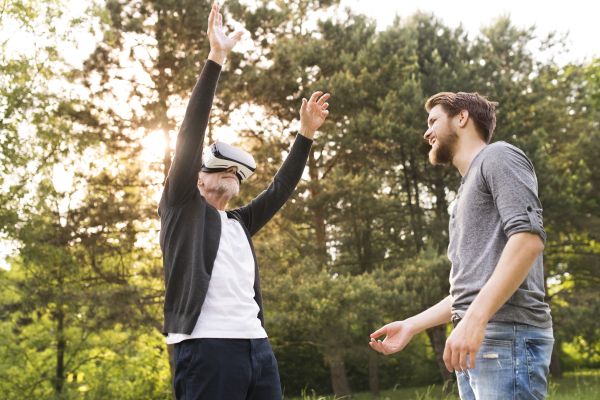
[
  {"x": 256, "y": 214},
  {"x": 183, "y": 175}
]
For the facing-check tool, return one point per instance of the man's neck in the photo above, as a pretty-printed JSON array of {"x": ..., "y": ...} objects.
[
  {"x": 216, "y": 200},
  {"x": 466, "y": 152}
]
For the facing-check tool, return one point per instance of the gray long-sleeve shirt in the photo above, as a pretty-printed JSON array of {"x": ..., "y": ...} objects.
[{"x": 498, "y": 197}]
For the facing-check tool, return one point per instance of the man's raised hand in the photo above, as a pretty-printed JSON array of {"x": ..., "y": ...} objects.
[
  {"x": 220, "y": 43},
  {"x": 313, "y": 113}
]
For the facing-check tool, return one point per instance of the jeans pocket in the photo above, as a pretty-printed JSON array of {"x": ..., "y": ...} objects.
[
  {"x": 539, "y": 352},
  {"x": 185, "y": 355},
  {"x": 495, "y": 355},
  {"x": 492, "y": 377},
  {"x": 496, "y": 342}
]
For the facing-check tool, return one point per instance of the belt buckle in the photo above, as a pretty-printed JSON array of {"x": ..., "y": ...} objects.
[{"x": 455, "y": 320}]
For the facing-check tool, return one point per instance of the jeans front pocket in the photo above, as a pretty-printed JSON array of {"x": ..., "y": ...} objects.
[
  {"x": 539, "y": 352},
  {"x": 184, "y": 356}
]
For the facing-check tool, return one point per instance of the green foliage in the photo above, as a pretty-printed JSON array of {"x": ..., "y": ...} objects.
[
  {"x": 361, "y": 243},
  {"x": 115, "y": 364},
  {"x": 592, "y": 75},
  {"x": 78, "y": 236}
]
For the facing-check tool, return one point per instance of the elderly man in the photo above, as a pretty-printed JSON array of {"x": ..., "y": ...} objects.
[
  {"x": 213, "y": 305},
  {"x": 502, "y": 339}
]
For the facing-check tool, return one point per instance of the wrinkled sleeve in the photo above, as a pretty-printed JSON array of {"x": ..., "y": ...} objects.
[
  {"x": 510, "y": 178},
  {"x": 183, "y": 174}
]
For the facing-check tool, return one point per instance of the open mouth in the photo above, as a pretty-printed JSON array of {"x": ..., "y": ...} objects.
[{"x": 432, "y": 142}]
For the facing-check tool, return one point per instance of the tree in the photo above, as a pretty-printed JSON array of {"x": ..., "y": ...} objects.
[
  {"x": 573, "y": 257},
  {"x": 78, "y": 241}
]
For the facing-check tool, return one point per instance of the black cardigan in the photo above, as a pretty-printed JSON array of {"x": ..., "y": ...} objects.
[{"x": 191, "y": 228}]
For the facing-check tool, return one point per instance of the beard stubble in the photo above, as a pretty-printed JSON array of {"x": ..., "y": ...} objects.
[
  {"x": 446, "y": 148},
  {"x": 227, "y": 187}
]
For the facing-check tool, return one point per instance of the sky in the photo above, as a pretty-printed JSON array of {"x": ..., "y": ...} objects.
[{"x": 578, "y": 17}]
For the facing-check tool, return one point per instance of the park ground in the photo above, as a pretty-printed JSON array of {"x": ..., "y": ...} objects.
[{"x": 577, "y": 385}]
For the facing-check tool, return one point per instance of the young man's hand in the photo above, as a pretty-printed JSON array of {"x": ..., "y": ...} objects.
[
  {"x": 465, "y": 340},
  {"x": 220, "y": 43},
  {"x": 398, "y": 333},
  {"x": 312, "y": 114}
]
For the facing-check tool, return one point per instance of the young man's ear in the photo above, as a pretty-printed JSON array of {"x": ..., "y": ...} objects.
[{"x": 463, "y": 118}]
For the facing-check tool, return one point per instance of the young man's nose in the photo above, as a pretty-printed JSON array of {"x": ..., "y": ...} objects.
[{"x": 427, "y": 133}]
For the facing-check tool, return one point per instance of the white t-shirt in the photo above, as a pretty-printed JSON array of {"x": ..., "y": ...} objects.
[{"x": 229, "y": 310}]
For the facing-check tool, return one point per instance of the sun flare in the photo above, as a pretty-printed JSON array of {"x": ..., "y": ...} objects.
[{"x": 154, "y": 143}]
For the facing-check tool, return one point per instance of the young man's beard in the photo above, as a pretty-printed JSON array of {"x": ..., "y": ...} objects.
[
  {"x": 228, "y": 187},
  {"x": 446, "y": 148}
]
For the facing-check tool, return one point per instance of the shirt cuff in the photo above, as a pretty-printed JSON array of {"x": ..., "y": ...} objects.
[
  {"x": 536, "y": 220},
  {"x": 303, "y": 141},
  {"x": 212, "y": 70},
  {"x": 529, "y": 221}
]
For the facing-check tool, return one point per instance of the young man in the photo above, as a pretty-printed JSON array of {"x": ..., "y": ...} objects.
[
  {"x": 502, "y": 339},
  {"x": 213, "y": 304}
]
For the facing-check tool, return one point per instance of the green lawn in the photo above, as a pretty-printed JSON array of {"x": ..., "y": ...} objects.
[{"x": 579, "y": 385}]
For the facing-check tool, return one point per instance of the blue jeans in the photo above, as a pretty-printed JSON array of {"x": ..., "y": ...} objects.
[
  {"x": 512, "y": 363},
  {"x": 226, "y": 369}
]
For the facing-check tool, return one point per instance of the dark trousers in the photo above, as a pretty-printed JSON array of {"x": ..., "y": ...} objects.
[{"x": 227, "y": 369}]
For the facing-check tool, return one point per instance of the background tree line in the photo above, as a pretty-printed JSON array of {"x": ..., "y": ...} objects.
[{"x": 361, "y": 243}]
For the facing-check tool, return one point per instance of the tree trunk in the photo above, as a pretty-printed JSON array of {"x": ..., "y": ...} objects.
[
  {"x": 339, "y": 382},
  {"x": 373, "y": 366},
  {"x": 319, "y": 213},
  {"x": 437, "y": 337},
  {"x": 441, "y": 210},
  {"x": 419, "y": 213},
  {"x": 373, "y": 374},
  {"x": 61, "y": 345},
  {"x": 555, "y": 368},
  {"x": 411, "y": 209},
  {"x": 163, "y": 119}
]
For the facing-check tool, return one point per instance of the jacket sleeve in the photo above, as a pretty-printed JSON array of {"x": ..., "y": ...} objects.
[
  {"x": 260, "y": 210},
  {"x": 511, "y": 180},
  {"x": 181, "y": 182}
]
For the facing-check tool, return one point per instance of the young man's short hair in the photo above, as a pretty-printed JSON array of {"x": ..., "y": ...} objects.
[{"x": 480, "y": 109}]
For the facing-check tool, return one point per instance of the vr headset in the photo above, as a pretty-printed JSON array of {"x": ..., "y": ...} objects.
[{"x": 221, "y": 156}]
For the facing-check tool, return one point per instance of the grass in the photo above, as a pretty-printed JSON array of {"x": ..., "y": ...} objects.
[{"x": 578, "y": 385}]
